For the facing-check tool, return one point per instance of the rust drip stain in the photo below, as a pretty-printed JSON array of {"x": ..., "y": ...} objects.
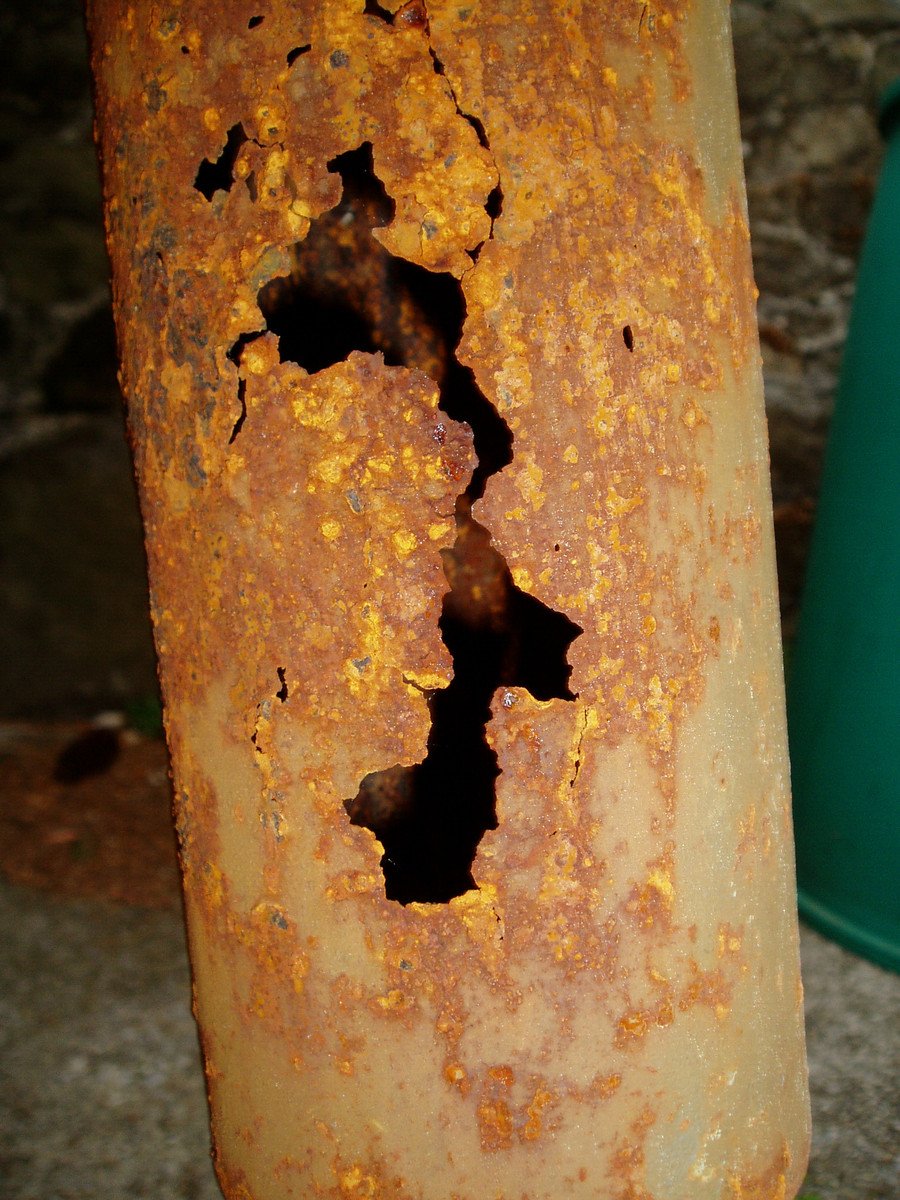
[{"x": 438, "y": 338}]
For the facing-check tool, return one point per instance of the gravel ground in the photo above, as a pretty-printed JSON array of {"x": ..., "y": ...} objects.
[
  {"x": 101, "y": 1092},
  {"x": 853, "y": 1043}
]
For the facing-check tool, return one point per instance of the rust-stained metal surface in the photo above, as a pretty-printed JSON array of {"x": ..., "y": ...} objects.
[{"x": 438, "y": 337}]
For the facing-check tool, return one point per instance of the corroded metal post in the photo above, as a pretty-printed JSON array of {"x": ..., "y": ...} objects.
[{"x": 438, "y": 339}]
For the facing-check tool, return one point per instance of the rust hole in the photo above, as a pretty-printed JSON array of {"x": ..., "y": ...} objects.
[
  {"x": 296, "y": 52},
  {"x": 373, "y": 9},
  {"x": 493, "y": 206},
  {"x": 218, "y": 176},
  {"x": 346, "y": 292},
  {"x": 431, "y": 817},
  {"x": 255, "y": 22},
  {"x": 412, "y": 15},
  {"x": 628, "y": 337},
  {"x": 494, "y": 203}
]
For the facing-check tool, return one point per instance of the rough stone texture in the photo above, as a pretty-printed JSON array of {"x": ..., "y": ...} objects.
[
  {"x": 809, "y": 79},
  {"x": 102, "y": 1091},
  {"x": 853, "y": 1043},
  {"x": 53, "y": 269},
  {"x": 74, "y": 629},
  {"x": 75, "y": 634}
]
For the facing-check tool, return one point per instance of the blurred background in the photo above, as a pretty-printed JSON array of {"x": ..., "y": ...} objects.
[{"x": 100, "y": 1089}]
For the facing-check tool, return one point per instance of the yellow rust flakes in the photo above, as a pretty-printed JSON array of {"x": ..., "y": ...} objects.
[
  {"x": 770, "y": 1183},
  {"x": 345, "y": 523}
]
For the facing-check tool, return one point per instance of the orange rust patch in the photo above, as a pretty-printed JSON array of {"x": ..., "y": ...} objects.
[
  {"x": 631, "y": 1027},
  {"x": 776, "y": 1181},
  {"x": 710, "y": 989},
  {"x": 495, "y": 1124},
  {"x": 534, "y": 1126},
  {"x": 365, "y": 1180},
  {"x": 651, "y": 903},
  {"x": 505, "y": 1119}
]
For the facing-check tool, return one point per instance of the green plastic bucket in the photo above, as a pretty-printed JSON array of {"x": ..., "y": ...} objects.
[{"x": 844, "y": 687}]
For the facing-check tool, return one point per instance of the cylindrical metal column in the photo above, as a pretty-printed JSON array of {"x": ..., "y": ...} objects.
[{"x": 439, "y": 343}]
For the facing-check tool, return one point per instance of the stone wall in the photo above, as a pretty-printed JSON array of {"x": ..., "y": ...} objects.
[{"x": 809, "y": 75}]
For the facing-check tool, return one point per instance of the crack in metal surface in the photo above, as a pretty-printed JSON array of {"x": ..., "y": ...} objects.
[
  {"x": 577, "y": 763},
  {"x": 346, "y": 292}
]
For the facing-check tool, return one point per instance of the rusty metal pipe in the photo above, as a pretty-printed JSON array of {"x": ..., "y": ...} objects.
[{"x": 438, "y": 339}]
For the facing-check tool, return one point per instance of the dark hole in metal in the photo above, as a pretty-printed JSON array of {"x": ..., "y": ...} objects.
[
  {"x": 346, "y": 292},
  {"x": 373, "y": 9},
  {"x": 218, "y": 176},
  {"x": 236, "y": 351},
  {"x": 494, "y": 204}
]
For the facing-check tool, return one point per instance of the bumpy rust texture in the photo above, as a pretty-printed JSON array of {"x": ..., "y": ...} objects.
[{"x": 308, "y": 209}]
